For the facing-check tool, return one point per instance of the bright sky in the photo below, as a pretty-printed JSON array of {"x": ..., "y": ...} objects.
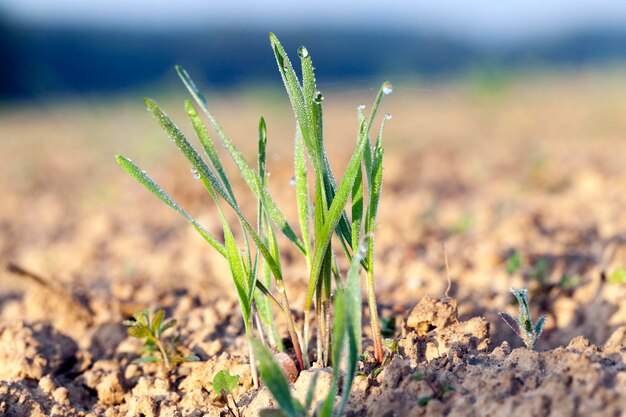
[{"x": 493, "y": 21}]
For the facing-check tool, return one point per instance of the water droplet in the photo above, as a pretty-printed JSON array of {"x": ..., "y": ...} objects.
[
  {"x": 319, "y": 97},
  {"x": 292, "y": 181},
  {"x": 280, "y": 287},
  {"x": 388, "y": 116},
  {"x": 195, "y": 173},
  {"x": 361, "y": 107},
  {"x": 268, "y": 174},
  {"x": 387, "y": 88},
  {"x": 303, "y": 52}
]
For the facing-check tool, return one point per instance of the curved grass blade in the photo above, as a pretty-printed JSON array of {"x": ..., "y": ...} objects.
[
  {"x": 294, "y": 91},
  {"x": 209, "y": 180},
  {"x": 237, "y": 270},
  {"x": 208, "y": 146},
  {"x": 145, "y": 180},
  {"x": 251, "y": 177}
]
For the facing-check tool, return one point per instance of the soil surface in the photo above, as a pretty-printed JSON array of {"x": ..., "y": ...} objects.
[{"x": 533, "y": 167}]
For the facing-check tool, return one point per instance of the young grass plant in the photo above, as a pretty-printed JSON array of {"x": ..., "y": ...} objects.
[
  {"x": 523, "y": 325},
  {"x": 157, "y": 347},
  {"x": 255, "y": 263}
]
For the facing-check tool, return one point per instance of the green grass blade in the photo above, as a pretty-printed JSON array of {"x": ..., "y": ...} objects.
[
  {"x": 209, "y": 180},
  {"x": 313, "y": 104},
  {"x": 145, "y": 180},
  {"x": 247, "y": 173},
  {"x": 339, "y": 335},
  {"x": 385, "y": 89},
  {"x": 236, "y": 269},
  {"x": 274, "y": 379},
  {"x": 344, "y": 230},
  {"x": 334, "y": 214},
  {"x": 295, "y": 93},
  {"x": 353, "y": 311},
  {"x": 262, "y": 151},
  {"x": 302, "y": 195},
  {"x": 377, "y": 184},
  {"x": 367, "y": 154},
  {"x": 208, "y": 146},
  {"x": 357, "y": 207}
]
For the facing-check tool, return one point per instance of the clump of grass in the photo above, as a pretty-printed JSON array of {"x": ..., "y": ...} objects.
[
  {"x": 523, "y": 325},
  {"x": 157, "y": 348},
  {"x": 345, "y": 208}
]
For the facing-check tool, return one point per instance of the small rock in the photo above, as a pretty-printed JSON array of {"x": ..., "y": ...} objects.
[
  {"x": 61, "y": 395},
  {"x": 432, "y": 313},
  {"x": 46, "y": 384},
  {"x": 288, "y": 366},
  {"x": 502, "y": 351},
  {"x": 324, "y": 380},
  {"x": 578, "y": 344}
]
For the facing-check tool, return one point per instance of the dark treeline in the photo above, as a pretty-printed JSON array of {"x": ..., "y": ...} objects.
[{"x": 39, "y": 61}]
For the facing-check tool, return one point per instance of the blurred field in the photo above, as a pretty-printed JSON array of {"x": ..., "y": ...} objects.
[{"x": 534, "y": 165}]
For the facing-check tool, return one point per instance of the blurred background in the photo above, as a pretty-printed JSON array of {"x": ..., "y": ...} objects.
[
  {"x": 508, "y": 137},
  {"x": 71, "y": 47}
]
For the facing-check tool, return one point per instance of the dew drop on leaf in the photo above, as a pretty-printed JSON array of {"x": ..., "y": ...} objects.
[
  {"x": 387, "y": 88},
  {"x": 195, "y": 173},
  {"x": 319, "y": 97},
  {"x": 303, "y": 52}
]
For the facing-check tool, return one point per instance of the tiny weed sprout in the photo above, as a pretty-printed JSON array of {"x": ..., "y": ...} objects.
[
  {"x": 157, "y": 348},
  {"x": 331, "y": 212},
  {"x": 523, "y": 325},
  {"x": 224, "y": 383}
]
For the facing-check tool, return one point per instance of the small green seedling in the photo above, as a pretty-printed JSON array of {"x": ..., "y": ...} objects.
[
  {"x": 523, "y": 326},
  {"x": 224, "y": 383},
  {"x": 159, "y": 349},
  {"x": 391, "y": 349},
  {"x": 438, "y": 388}
]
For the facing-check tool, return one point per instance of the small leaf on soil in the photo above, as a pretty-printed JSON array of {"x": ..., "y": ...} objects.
[{"x": 223, "y": 380}]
